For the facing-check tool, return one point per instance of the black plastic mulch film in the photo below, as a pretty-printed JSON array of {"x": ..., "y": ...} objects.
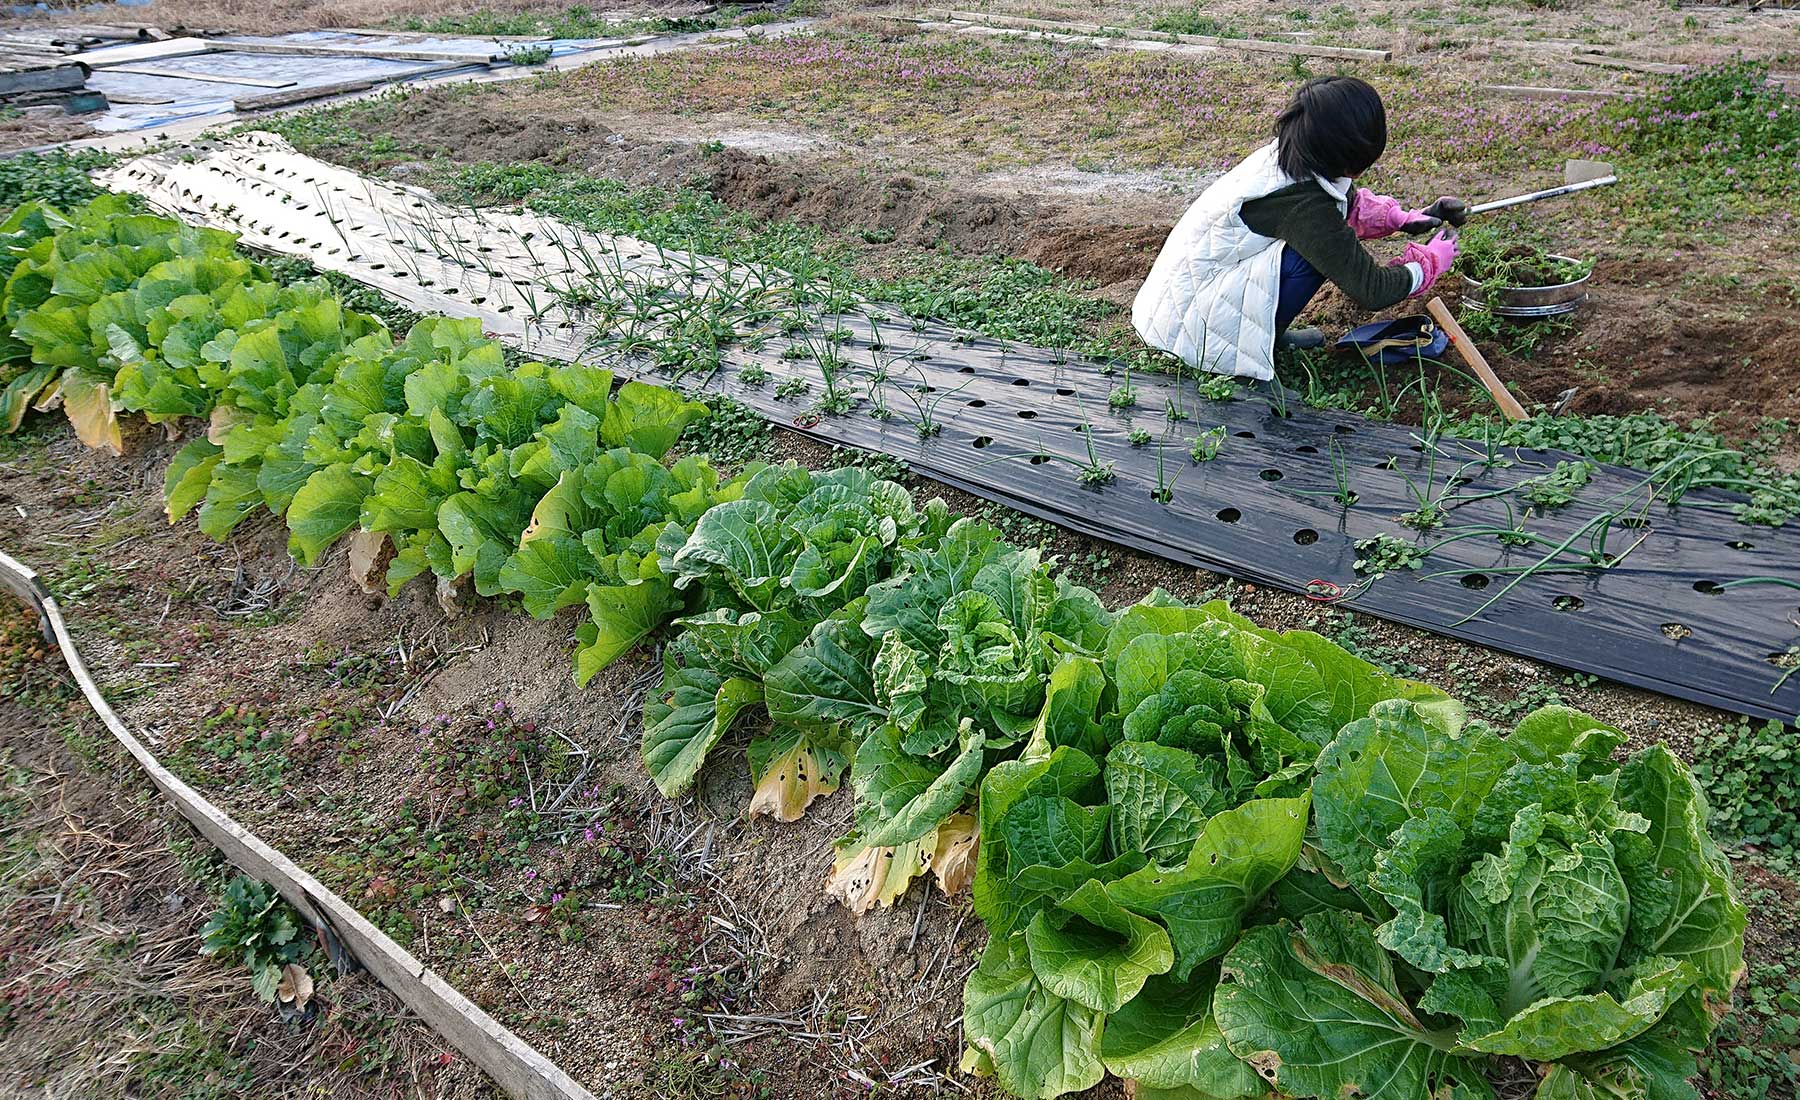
[{"x": 1014, "y": 424}]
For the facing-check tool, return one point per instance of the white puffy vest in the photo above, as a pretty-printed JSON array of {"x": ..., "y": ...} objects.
[{"x": 1210, "y": 297}]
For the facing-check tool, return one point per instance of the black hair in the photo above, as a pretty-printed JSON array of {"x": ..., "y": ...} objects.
[{"x": 1335, "y": 127}]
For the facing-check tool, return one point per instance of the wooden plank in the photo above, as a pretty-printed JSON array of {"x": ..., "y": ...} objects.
[
  {"x": 1661, "y": 68},
  {"x": 514, "y": 1064},
  {"x": 383, "y": 53},
  {"x": 137, "y": 52},
  {"x": 1476, "y": 361},
  {"x": 1526, "y": 91},
  {"x": 1252, "y": 45},
  {"x": 208, "y": 78},
  {"x": 81, "y": 34},
  {"x": 138, "y": 97},
  {"x": 303, "y": 93}
]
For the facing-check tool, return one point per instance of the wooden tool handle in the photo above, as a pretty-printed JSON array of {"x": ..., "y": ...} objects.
[{"x": 1472, "y": 356}]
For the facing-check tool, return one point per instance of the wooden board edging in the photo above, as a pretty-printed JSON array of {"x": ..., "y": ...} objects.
[
  {"x": 515, "y": 1066},
  {"x": 1252, "y": 45}
]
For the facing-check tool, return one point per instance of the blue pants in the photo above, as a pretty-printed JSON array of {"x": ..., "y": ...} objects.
[{"x": 1299, "y": 282}]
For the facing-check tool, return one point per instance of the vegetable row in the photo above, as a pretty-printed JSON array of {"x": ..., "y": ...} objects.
[
  {"x": 528, "y": 479},
  {"x": 1219, "y": 861}
]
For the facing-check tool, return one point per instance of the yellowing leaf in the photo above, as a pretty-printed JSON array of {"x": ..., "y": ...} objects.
[
  {"x": 369, "y": 556},
  {"x": 224, "y": 418},
  {"x": 863, "y": 878},
  {"x": 856, "y": 877},
  {"x": 89, "y": 406},
  {"x": 953, "y": 860},
  {"x": 788, "y": 782},
  {"x": 296, "y": 986},
  {"x": 907, "y": 862}
]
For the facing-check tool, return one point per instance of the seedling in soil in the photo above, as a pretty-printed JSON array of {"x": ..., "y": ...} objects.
[
  {"x": 1788, "y": 662},
  {"x": 1384, "y": 554},
  {"x": 1217, "y": 387},
  {"x": 1429, "y": 511},
  {"x": 925, "y": 404},
  {"x": 1558, "y": 487},
  {"x": 1207, "y": 444},
  {"x": 1278, "y": 398},
  {"x": 1093, "y": 472},
  {"x": 1594, "y": 557},
  {"x": 879, "y": 376},
  {"x": 1137, "y": 437},
  {"x": 792, "y": 387},
  {"x": 1165, "y": 485},
  {"x": 1175, "y": 412},
  {"x": 1125, "y": 396},
  {"x": 1493, "y": 439},
  {"x": 1340, "y": 474}
]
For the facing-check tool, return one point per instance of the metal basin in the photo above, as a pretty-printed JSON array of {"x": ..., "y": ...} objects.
[{"x": 1530, "y": 301}]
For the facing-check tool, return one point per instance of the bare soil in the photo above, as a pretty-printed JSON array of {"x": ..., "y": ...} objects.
[
  {"x": 1533, "y": 33},
  {"x": 34, "y": 126}
]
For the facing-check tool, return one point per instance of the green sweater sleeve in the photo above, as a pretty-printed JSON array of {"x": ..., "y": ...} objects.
[{"x": 1306, "y": 218}]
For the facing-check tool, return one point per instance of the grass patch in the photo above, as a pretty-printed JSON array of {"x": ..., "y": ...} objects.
[
  {"x": 58, "y": 177},
  {"x": 994, "y": 295}
]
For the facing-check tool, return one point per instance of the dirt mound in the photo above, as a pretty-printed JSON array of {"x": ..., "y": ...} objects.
[
  {"x": 1108, "y": 255},
  {"x": 442, "y": 123},
  {"x": 907, "y": 210},
  {"x": 1109, "y": 244}
]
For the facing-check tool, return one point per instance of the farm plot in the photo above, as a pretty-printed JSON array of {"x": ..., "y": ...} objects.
[
  {"x": 893, "y": 142},
  {"x": 786, "y": 572},
  {"x": 999, "y": 716},
  {"x": 1055, "y": 437}
]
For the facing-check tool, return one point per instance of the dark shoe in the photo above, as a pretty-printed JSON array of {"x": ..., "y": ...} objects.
[{"x": 1301, "y": 339}]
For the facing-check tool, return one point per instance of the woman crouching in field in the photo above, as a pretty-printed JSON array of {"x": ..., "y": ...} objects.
[{"x": 1257, "y": 245}]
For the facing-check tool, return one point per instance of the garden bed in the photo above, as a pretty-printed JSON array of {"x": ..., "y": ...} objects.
[{"x": 445, "y": 774}]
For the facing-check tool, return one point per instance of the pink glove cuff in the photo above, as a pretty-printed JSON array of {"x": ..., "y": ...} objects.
[
  {"x": 1373, "y": 215},
  {"x": 1434, "y": 257}
]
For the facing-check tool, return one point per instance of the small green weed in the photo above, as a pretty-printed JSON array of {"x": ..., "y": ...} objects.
[
  {"x": 527, "y": 55},
  {"x": 1558, "y": 487},
  {"x": 1194, "y": 21},
  {"x": 59, "y": 177},
  {"x": 1207, "y": 443},
  {"x": 1384, "y": 554},
  {"x": 253, "y": 919},
  {"x": 732, "y": 434},
  {"x": 1751, "y": 774}
]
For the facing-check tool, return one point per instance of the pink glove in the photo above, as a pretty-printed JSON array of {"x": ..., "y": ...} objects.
[
  {"x": 1373, "y": 216},
  {"x": 1434, "y": 257}
]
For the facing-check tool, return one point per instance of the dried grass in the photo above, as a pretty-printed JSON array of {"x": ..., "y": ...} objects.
[{"x": 105, "y": 992}]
